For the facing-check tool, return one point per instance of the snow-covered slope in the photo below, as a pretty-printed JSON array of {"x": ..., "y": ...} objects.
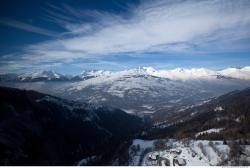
[{"x": 193, "y": 152}]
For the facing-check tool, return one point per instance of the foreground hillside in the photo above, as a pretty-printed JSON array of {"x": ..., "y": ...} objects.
[
  {"x": 188, "y": 152},
  {"x": 215, "y": 132},
  {"x": 38, "y": 129}
]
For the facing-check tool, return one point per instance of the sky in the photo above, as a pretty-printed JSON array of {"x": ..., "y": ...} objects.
[{"x": 72, "y": 36}]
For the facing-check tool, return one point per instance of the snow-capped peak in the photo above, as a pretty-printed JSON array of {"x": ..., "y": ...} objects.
[
  {"x": 149, "y": 70},
  {"x": 97, "y": 73},
  {"x": 141, "y": 71},
  {"x": 49, "y": 75},
  {"x": 93, "y": 74},
  {"x": 172, "y": 74},
  {"x": 195, "y": 73},
  {"x": 242, "y": 73}
]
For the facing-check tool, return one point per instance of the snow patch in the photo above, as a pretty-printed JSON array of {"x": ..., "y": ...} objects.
[
  {"x": 219, "y": 108},
  {"x": 213, "y": 130}
]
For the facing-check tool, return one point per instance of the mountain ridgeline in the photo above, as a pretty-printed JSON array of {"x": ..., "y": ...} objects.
[
  {"x": 140, "y": 91},
  {"x": 174, "y": 74},
  {"x": 39, "y": 129}
]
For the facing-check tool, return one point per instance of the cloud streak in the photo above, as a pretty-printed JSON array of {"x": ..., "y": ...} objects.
[
  {"x": 158, "y": 26},
  {"x": 153, "y": 26},
  {"x": 27, "y": 27}
]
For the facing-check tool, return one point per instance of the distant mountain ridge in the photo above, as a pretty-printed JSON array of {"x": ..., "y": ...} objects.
[
  {"x": 141, "y": 91},
  {"x": 174, "y": 74}
]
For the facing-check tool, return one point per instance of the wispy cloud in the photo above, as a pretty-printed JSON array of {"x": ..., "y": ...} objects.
[
  {"x": 27, "y": 27},
  {"x": 153, "y": 26}
]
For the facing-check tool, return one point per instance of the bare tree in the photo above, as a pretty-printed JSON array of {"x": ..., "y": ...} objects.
[
  {"x": 213, "y": 146},
  {"x": 203, "y": 150},
  {"x": 134, "y": 149},
  {"x": 138, "y": 147},
  {"x": 143, "y": 154},
  {"x": 223, "y": 159},
  {"x": 244, "y": 162},
  {"x": 234, "y": 152},
  {"x": 186, "y": 142},
  {"x": 160, "y": 144}
]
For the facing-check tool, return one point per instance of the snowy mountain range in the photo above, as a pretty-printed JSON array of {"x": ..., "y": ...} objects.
[
  {"x": 174, "y": 74},
  {"x": 139, "y": 91}
]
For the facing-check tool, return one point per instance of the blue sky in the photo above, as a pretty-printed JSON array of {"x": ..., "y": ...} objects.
[{"x": 72, "y": 36}]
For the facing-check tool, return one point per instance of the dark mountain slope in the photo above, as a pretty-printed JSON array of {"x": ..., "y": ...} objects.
[
  {"x": 230, "y": 112},
  {"x": 38, "y": 129}
]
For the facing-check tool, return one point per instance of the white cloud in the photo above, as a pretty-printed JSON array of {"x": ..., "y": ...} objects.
[
  {"x": 161, "y": 26},
  {"x": 154, "y": 25}
]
